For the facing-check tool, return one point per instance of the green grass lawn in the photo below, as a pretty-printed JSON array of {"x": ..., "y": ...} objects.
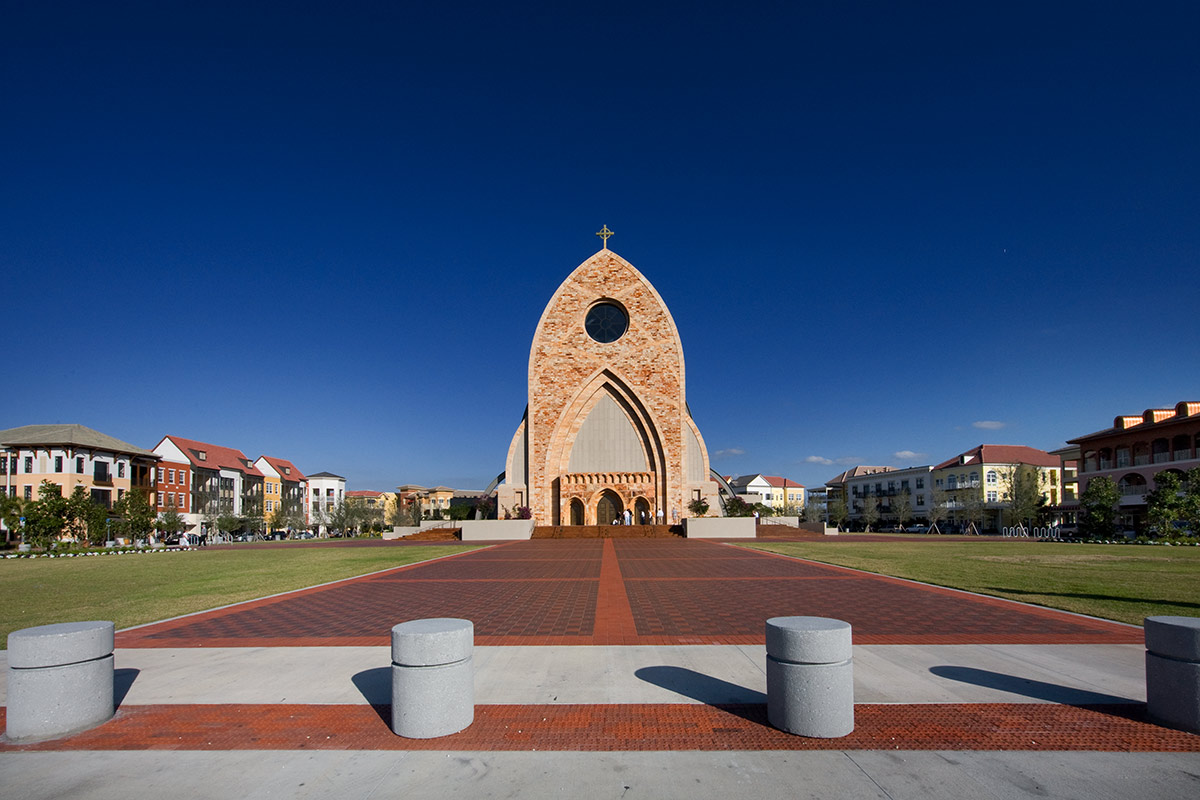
[
  {"x": 1125, "y": 583},
  {"x": 135, "y": 589}
]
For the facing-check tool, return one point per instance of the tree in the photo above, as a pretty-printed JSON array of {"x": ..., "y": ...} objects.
[
  {"x": 972, "y": 504},
  {"x": 135, "y": 516},
  {"x": 12, "y": 508},
  {"x": 252, "y": 515},
  {"x": 902, "y": 507},
  {"x": 226, "y": 523},
  {"x": 1191, "y": 501},
  {"x": 170, "y": 522},
  {"x": 1098, "y": 508},
  {"x": 699, "y": 507},
  {"x": 86, "y": 519},
  {"x": 737, "y": 507},
  {"x": 1165, "y": 505},
  {"x": 870, "y": 511},
  {"x": 939, "y": 503},
  {"x": 1023, "y": 494},
  {"x": 320, "y": 519},
  {"x": 839, "y": 512},
  {"x": 46, "y": 517},
  {"x": 289, "y": 516},
  {"x": 813, "y": 512}
]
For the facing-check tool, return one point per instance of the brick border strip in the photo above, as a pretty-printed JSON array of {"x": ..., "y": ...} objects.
[{"x": 643, "y": 727}]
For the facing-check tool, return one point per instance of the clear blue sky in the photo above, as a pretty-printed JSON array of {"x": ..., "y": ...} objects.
[{"x": 326, "y": 231}]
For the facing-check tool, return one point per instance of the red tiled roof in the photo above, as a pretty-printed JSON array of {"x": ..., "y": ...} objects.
[
  {"x": 216, "y": 457},
  {"x": 286, "y": 469},
  {"x": 775, "y": 480},
  {"x": 1002, "y": 454},
  {"x": 1152, "y": 418},
  {"x": 363, "y": 493}
]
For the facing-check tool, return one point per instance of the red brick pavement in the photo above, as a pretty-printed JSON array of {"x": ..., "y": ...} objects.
[
  {"x": 983, "y": 726},
  {"x": 621, "y": 592}
]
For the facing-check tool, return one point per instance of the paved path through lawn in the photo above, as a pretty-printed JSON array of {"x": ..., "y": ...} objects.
[{"x": 625, "y": 592}]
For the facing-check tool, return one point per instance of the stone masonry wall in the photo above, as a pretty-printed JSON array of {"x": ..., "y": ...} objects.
[{"x": 567, "y": 367}]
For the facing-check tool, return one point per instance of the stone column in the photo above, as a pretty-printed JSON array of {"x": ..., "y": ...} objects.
[
  {"x": 433, "y": 677},
  {"x": 60, "y": 679},
  {"x": 810, "y": 676},
  {"x": 1173, "y": 671}
]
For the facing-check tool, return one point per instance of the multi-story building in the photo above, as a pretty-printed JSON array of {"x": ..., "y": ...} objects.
[
  {"x": 770, "y": 490},
  {"x": 74, "y": 455},
  {"x": 1067, "y": 510},
  {"x": 327, "y": 491},
  {"x": 889, "y": 490},
  {"x": 284, "y": 487},
  {"x": 174, "y": 487},
  {"x": 432, "y": 501},
  {"x": 1138, "y": 447},
  {"x": 816, "y": 503},
  {"x": 223, "y": 481},
  {"x": 837, "y": 489},
  {"x": 975, "y": 483},
  {"x": 368, "y": 497}
]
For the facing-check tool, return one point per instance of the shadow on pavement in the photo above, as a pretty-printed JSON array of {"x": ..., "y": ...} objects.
[
  {"x": 375, "y": 685},
  {"x": 122, "y": 681},
  {"x": 1051, "y": 692},
  {"x": 704, "y": 688}
]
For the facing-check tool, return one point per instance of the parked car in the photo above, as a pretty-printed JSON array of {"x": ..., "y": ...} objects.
[{"x": 916, "y": 529}]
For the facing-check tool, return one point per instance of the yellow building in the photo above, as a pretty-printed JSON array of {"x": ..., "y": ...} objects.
[{"x": 975, "y": 483}]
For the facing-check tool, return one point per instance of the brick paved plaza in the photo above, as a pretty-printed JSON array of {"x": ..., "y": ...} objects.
[{"x": 625, "y": 593}]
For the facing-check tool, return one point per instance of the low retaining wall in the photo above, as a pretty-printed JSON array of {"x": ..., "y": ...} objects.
[
  {"x": 482, "y": 530},
  {"x": 719, "y": 527}
]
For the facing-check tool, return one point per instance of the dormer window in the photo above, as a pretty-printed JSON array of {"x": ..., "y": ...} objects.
[{"x": 202, "y": 455}]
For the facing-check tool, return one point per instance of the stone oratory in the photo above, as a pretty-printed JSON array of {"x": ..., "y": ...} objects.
[{"x": 607, "y": 427}]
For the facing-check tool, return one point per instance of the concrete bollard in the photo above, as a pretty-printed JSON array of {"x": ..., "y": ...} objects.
[
  {"x": 433, "y": 677},
  {"x": 810, "y": 676},
  {"x": 60, "y": 679},
  {"x": 1173, "y": 671}
]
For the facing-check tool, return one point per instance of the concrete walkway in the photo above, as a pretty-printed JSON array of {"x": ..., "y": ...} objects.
[{"x": 713, "y": 674}]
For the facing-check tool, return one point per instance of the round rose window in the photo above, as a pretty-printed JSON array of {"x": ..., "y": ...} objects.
[{"x": 606, "y": 322}]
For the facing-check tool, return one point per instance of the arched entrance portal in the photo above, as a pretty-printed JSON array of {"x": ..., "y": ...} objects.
[
  {"x": 608, "y": 508},
  {"x": 641, "y": 512},
  {"x": 577, "y": 512}
]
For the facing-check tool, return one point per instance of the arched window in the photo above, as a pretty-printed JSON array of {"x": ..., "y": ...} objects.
[
  {"x": 1181, "y": 448},
  {"x": 1132, "y": 485},
  {"x": 992, "y": 477}
]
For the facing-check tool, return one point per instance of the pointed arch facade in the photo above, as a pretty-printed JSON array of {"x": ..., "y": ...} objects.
[{"x": 607, "y": 403}]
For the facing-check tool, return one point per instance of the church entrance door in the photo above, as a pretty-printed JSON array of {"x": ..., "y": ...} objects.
[
  {"x": 641, "y": 512},
  {"x": 608, "y": 508},
  {"x": 576, "y": 511}
]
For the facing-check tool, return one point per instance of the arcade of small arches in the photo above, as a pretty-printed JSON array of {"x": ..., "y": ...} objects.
[
  {"x": 601, "y": 498},
  {"x": 1163, "y": 450}
]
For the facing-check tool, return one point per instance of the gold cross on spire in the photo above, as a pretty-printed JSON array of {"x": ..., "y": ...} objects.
[{"x": 604, "y": 233}]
